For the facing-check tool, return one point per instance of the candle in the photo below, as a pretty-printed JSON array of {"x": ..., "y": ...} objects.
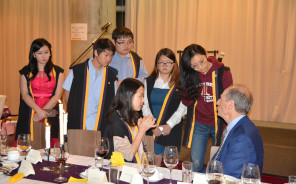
[
  {"x": 61, "y": 110},
  {"x": 65, "y": 123},
  {"x": 47, "y": 136}
]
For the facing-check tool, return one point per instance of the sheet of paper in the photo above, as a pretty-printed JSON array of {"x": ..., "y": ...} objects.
[
  {"x": 199, "y": 178},
  {"x": 34, "y": 156},
  {"x": 94, "y": 175},
  {"x": 26, "y": 168},
  {"x": 127, "y": 173}
]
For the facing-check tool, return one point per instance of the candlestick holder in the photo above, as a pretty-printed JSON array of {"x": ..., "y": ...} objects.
[{"x": 47, "y": 168}]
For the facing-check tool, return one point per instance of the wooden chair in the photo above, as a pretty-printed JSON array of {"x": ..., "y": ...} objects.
[{"x": 83, "y": 142}]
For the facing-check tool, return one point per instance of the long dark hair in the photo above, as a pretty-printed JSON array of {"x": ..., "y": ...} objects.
[
  {"x": 33, "y": 66},
  {"x": 189, "y": 78},
  {"x": 175, "y": 72},
  {"x": 123, "y": 101}
]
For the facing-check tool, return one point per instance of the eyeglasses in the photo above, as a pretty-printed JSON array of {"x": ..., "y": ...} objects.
[
  {"x": 165, "y": 64},
  {"x": 201, "y": 63},
  {"x": 130, "y": 42}
]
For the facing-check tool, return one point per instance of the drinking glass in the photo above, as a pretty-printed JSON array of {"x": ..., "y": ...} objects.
[
  {"x": 250, "y": 174},
  {"x": 61, "y": 157},
  {"x": 102, "y": 150},
  {"x": 24, "y": 144},
  {"x": 148, "y": 164},
  {"x": 113, "y": 173},
  {"x": 3, "y": 142},
  {"x": 171, "y": 158},
  {"x": 214, "y": 172},
  {"x": 187, "y": 171}
]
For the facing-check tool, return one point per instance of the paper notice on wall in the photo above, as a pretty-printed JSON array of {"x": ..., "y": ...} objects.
[{"x": 78, "y": 31}]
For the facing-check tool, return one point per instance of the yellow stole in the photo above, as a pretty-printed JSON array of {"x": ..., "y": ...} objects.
[
  {"x": 101, "y": 98},
  {"x": 163, "y": 107},
  {"x": 214, "y": 75},
  {"x": 134, "y": 66},
  {"x": 33, "y": 112},
  {"x": 133, "y": 138}
]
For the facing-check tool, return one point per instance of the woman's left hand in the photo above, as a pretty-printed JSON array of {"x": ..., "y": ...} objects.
[
  {"x": 146, "y": 123},
  {"x": 40, "y": 115},
  {"x": 166, "y": 129}
]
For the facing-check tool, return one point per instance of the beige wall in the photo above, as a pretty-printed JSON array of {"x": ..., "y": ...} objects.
[
  {"x": 22, "y": 21},
  {"x": 96, "y": 13}
]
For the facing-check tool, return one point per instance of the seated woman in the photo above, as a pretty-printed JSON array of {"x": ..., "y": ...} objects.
[{"x": 125, "y": 125}]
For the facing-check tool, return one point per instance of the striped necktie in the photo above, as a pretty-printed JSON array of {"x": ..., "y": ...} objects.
[{"x": 223, "y": 137}]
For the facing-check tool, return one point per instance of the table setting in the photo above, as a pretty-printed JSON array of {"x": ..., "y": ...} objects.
[{"x": 56, "y": 165}]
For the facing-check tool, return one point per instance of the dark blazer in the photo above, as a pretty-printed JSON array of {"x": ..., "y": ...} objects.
[{"x": 242, "y": 145}]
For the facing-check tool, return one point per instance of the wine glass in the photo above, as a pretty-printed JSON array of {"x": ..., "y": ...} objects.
[
  {"x": 24, "y": 144},
  {"x": 250, "y": 174},
  {"x": 215, "y": 172},
  {"x": 148, "y": 164},
  {"x": 102, "y": 150},
  {"x": 3, "y": 141},
  {"x": 61, "y": 157},
  {"x": 171, "y": 158}
]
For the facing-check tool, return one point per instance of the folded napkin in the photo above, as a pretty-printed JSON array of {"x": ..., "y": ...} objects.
[
  {"x": 72, "y": 179},
  {"x": 16, "y": 177},
  {"x": 26, "y": 168},
  {"x": 117, "y": 159},
  {"x": 7, "y": 168}
]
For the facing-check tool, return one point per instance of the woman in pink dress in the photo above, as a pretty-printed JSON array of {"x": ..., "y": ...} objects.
[{"x": 41, "y": 88}]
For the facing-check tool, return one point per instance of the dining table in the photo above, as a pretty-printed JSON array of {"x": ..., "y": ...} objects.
[{"x": 78, "y": 165}]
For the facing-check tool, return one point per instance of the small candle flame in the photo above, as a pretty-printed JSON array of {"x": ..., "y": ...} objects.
[{"x": 60, "y": 101}]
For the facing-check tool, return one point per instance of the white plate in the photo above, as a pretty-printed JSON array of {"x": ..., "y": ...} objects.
[
  {"x": 4, "y": 160},
  {"x": 153, "y": 179}
]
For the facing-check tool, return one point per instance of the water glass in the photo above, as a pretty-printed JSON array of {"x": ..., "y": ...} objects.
[
  {"x": 292, "y": 179},
  {"x": 171, "y": 158},
  {"x": 215, "y": 172},
  {"x": 113, "y": 173},
  {"x": 148, "y": 164},
  {"x": 187, "y": 171},
  {"x": 250, "y": 174},
  {"x": 101, "y": 150},
  {"x": 24, "y": 144}
]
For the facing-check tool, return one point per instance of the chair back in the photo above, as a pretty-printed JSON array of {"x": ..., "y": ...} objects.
[
  {"x": 2, "y": 103},
  {"x": 82, "y": 142},
  {"x": 214, "y": 149}
]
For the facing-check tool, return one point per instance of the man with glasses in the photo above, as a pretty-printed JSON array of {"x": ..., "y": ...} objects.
[{"x": 128, "y": 63}]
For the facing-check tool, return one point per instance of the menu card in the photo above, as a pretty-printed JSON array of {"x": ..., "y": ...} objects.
[{"x": 127, "y": 173}]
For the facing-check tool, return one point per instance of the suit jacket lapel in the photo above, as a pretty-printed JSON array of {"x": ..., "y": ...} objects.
[{"x": 232, "y": 131}]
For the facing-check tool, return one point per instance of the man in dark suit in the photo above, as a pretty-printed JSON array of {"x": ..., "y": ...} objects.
[{"x": 242, "y": 142}]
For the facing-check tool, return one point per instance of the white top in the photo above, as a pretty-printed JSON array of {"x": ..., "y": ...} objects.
[{"x": 177, "y": 116}]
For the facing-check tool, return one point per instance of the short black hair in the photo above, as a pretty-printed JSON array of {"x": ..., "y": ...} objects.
[
  {"x": 103, "y": 44},
  {"x": 122, "y": 32}
]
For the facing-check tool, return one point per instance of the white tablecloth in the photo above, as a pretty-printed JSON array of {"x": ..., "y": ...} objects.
[{"x": 86, "y": 161}]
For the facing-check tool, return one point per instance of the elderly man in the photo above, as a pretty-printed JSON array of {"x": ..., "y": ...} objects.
[{"x": 242, "y": 141}]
